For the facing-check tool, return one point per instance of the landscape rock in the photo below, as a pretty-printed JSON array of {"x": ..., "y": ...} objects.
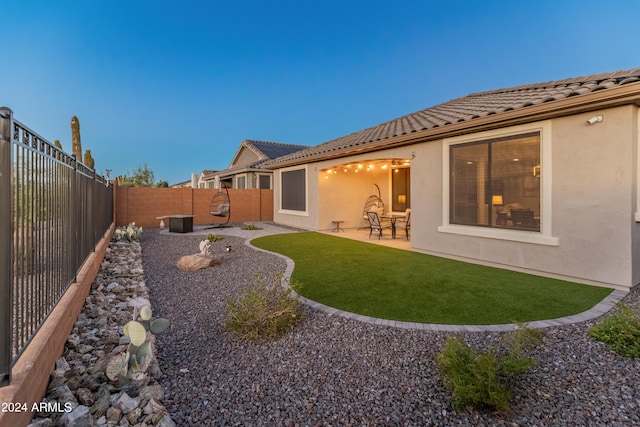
[
  {"x": 79, "y": 379},
  {"x": 197, "y": 262}
]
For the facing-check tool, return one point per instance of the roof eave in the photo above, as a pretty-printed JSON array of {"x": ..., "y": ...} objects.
[{"x": 606, "y": 98}]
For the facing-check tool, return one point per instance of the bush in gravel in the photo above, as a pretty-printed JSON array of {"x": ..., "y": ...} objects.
[
  {"x": 213, "y": 237},
  {"x": 485, "y": 379},
  {"x": 264, "y": 310},
  {"x": 251, "y": 227},
  {"x": 619, "y": 331}
]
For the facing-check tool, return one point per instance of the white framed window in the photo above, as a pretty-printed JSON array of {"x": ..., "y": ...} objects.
[
  {"x": 264, "y": 181},
  {"x": 497, "y": 184},
  {"x": 241, "y": 182}
]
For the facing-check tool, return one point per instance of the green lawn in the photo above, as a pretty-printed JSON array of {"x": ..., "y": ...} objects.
[{"x": 401, "y": 285}]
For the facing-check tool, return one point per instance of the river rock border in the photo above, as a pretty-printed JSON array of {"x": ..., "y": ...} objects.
[{"x": 79, "y": 393}]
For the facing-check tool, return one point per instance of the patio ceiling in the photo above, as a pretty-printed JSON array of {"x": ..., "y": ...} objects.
[{"x": 366, "y": 166}]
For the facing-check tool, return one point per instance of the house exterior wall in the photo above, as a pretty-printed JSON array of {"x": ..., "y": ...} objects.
[
  {"x": 339, "y": 196},
  {"x": 245, "y": 157},
  {"x": 589, "y": 203},
  {"x": 592, "y": 205}
]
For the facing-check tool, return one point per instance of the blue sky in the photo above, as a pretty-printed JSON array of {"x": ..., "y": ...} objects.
[{"x": 179, "y": 85}]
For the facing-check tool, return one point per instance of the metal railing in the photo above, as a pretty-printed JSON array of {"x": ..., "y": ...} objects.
[{"x": 53, "y": 212}]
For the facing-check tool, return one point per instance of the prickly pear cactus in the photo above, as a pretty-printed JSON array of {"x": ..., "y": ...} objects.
[
  {"x": 75, "y": 138},
  {"x": 159, "y": 325},
  {"x": 118, "y": 366},
  {"x": 145, "y": 313},
  {"x": 136, "y": 332}
]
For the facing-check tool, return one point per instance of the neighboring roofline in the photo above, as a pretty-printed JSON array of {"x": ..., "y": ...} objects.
[
  {"x": 604, "y": 98},
  {"x": 246, "y": 143},
  {"x": 228, "y": 173},
  {"x": 250, "y": 144}
]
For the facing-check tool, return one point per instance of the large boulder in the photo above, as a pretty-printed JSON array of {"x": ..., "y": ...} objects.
[{"x": 197, "y": 261}]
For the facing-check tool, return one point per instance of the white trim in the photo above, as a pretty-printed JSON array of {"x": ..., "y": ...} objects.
[
  {"x": 500, "y": 234},
  {"x": 306, "y": 191},
  {"x": 543, "y": 237},
  {"x": 237, "y": 178},
  {"x": 261, "y": 174}
]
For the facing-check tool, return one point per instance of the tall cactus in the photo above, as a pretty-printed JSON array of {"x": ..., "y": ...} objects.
[
  {"x": 88, "y": 159},
  {"x": 75, "y": 138}
]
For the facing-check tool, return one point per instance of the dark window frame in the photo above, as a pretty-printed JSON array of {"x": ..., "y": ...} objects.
[
  {"x": 293, "y": 195},
  {"x": 492, "y": 186}
]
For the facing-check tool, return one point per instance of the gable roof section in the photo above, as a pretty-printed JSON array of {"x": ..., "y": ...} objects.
[
  {"x": 483, "y": 110},
  {"x": 273, "y": 150}
]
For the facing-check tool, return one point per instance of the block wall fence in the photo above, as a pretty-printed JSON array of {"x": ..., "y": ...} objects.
[{"x": 144, "y": 205}]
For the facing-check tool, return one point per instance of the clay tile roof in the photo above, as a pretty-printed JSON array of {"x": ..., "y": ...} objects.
[{"x": 466, "y": 109}]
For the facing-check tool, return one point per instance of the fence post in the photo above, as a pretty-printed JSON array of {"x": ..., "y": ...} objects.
[{"x": 6, "y": 245}]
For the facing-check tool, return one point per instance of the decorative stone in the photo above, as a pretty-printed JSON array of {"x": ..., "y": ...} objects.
[
  {"x": 113, "y": 415},
  {"x": 153, "y": 407},
  {"x": 126, "y": 403},
  {"x": 79, "y": 417},
  {"x": 151, "y": 392},
  {"x": 163, "y": 419},
  {"x": 133, "y": 416},
  {"x": 101, "y": 406},
  {"x": 197, "y": 261},
  {"x": 205, "y": 247},
  {"x": 85, "y": 396}
]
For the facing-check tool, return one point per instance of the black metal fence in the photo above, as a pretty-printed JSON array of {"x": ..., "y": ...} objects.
[{"x": 53, "y": 212}]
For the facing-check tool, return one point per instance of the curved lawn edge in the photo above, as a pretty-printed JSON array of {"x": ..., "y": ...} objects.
[{"x": 602, "y": 307}]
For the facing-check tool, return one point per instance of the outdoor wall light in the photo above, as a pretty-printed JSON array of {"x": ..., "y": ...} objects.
[{"x": 595, "y": 119}]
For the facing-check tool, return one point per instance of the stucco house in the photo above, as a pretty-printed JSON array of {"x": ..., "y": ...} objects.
[
  {"x": 541, "y": 178},
  {"x": 245, "y": 170}
]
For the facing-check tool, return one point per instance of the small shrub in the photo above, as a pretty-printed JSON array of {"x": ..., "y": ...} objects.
[
  {"x": 251, "y": 227},
  {"x": 213, "y": 237},
  {"x": 485, "y": 380},
  {"x": 620, "y": 331},
  {"x": 264, "y": 310}
]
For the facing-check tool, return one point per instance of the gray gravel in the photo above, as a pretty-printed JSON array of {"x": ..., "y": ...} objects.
[{"x": 334, "y": 371}]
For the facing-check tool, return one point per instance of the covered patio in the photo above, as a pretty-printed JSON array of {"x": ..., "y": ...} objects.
[
  {"x": 400, "y": 242},
  {"x": 344, "y": 189}
]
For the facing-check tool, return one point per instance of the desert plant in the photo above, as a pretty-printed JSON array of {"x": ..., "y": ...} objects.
[
  {"x": 88, "y": 159},
  {"x": 619, "y": 331},
  {"x": 134, "y": 362},
  {"x": 485, "y": 379},
  {"x": 251, "y": 227},
  {"x": 128, "y": 233},
  {"x": 213, "y": 237},
  {"x": 266, "y": 309},
  {"x": 76, "y": 145}
]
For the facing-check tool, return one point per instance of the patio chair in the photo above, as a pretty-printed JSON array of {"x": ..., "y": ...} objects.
[
  {"x": 404, "y": 223},
  {"x": 220, "y": 206},
  {"x": 376, "y": 224},
  {"x": 373, "y": 203}
]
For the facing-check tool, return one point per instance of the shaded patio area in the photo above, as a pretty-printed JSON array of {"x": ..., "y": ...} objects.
[{"x": 362, "y": 235}]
